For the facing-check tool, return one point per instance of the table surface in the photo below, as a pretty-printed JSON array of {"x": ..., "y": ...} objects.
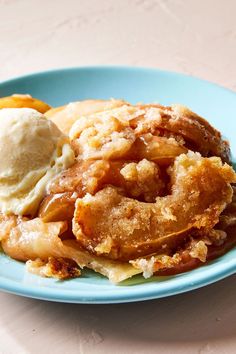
[{"x": 196, "y": 37}]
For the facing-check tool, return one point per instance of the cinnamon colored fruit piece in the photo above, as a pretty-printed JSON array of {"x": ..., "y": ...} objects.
[
  {"x": 214, "y": 250},
  {"x": 122, "y": 228},
  {"x": 143, "y": 180},
  {"x": 195, "y": 130}
]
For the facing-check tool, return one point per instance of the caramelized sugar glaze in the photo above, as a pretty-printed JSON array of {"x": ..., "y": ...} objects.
[
  {"x": 131, "y": 194},
  {"x": 151, "y": 191}
]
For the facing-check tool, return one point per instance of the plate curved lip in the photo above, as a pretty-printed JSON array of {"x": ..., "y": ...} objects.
[
  {"x": 133, "y": 294},
  {"x": 114, "y": 68},
  {"x": 180, "y": 284}
]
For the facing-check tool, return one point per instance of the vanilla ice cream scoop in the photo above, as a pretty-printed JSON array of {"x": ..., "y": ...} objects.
[{"x": 32, "y": 151}]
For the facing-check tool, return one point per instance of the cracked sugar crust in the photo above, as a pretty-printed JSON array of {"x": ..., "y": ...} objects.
[{"x": 138, "y": 228}]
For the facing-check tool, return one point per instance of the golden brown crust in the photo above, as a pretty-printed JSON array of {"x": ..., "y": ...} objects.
[
  {"x": 59, "y": 268},
  {"x": 122, "y": 228},
  {"x": 212, "y": 245},
  {"x": 140, "y": 202},
  {"x": 111, "y": 146}
]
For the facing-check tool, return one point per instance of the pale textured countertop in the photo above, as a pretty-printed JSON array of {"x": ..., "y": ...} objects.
[{"x": 197, "y": 37}]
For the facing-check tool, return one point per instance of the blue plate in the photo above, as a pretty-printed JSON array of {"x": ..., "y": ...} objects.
[{"x": 57, "y": 87}]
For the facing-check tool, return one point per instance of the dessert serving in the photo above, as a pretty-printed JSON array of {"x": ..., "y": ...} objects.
[{"x": 118, "y": 188}]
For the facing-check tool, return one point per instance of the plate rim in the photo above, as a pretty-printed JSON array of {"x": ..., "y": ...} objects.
[
  {"x": 115, "y": 68},
  {"x": 209, "y": 276}
]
